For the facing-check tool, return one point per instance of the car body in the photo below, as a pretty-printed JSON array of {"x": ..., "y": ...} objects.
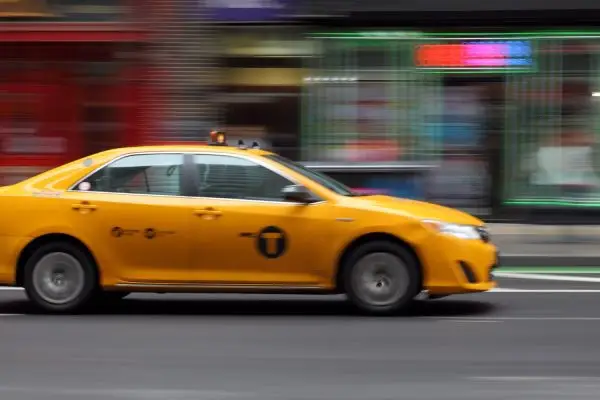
[{"x": 201, "y": 218}]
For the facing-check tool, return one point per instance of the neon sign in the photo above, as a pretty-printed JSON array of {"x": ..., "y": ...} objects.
[{"x": 475, "y": 55}]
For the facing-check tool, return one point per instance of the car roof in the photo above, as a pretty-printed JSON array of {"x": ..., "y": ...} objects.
[{"x": 185, "y": 148}]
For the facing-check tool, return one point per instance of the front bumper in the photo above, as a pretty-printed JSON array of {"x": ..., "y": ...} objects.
[{"x": 454, "y": 266}]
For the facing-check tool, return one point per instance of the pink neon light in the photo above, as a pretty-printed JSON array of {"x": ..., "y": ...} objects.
[
  {"x": 486, "y": 62},
  {"x": 486, "y": 51}
]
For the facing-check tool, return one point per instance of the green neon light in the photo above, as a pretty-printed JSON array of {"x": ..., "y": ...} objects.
[
  {"x": 369, "y": 34},
  {"x": 563, "y": 270},
  {"x": 581, "y": 204},
  {"x": 541, "y": 34}
]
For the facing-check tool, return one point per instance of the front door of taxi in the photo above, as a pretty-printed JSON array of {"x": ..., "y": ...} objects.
[
  {"x": 131, "y": 214},
  {"x": 245, "y": 234}
]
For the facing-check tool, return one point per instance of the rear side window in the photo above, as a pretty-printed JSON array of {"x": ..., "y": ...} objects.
[{"x": 157, "y": 174}]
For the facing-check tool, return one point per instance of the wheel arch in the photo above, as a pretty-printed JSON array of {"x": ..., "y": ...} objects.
[
  {"x": 372, "y": 237},
  {"x": 42, "y": 240}
]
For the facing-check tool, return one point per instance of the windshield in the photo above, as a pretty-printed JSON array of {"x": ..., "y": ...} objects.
[{"x": 318, "y": 177}]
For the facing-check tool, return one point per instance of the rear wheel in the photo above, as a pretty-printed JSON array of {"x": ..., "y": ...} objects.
[
  {"x": 60, "y": 277},
  {"x": 381, "y": 278}
]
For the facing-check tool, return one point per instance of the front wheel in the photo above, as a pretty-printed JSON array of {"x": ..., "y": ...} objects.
[
  {"x": 382, "y": 278},
  {"x": 60, "y": 277}
]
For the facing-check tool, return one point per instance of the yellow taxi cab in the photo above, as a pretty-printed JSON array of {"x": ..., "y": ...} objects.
[{"x": 219, "y": 218}]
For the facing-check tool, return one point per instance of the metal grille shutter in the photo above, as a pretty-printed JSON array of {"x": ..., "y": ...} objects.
[{"x": 182, "y": 53}]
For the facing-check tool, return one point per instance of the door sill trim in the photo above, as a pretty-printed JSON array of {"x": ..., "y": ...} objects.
[{"x": 210, "y": 287}]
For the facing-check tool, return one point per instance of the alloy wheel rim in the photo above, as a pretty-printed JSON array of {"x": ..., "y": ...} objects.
[
  {"x": 380, "y": 279},
  {"x": 58, "y": 278}
]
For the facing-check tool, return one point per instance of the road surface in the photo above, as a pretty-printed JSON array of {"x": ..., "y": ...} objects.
[{"x": 537, "y": 343}]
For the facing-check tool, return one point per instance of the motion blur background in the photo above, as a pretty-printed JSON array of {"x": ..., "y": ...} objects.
[{"x": 491, "y": 107}]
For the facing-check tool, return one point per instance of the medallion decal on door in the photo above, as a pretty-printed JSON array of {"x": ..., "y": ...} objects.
[{"x": 272, "y": 242}]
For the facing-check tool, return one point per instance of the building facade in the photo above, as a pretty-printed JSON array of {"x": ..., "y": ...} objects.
[
  {"x": 261, "y": 59},
  {"x": 71, "y": 81},
  {"x": 492, "y": 108},
  {"x": 494, "y": 111}
]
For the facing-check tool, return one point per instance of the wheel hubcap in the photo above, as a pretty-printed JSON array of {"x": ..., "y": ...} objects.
[
  {"x": 380, "y": 279},
  {"x": 58, "y": 278}
]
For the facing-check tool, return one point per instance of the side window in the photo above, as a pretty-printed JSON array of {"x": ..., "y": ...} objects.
[
  {"x": 237, "y": 178},
  {"x": 140, "y": 174}
]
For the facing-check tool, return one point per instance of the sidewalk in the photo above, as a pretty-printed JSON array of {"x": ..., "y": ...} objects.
[{"x": 540, "y": 245}]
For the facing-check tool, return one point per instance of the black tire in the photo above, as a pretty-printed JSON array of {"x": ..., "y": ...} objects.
[
  {"x": 87, "y": 277},
  {"x": 401, "y": 263}
]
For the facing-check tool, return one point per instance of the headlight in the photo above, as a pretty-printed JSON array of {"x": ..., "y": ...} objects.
[{"x": 459, "y": 231}]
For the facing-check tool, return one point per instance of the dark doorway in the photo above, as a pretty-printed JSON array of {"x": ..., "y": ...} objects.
[{"x": 472, "y": 126}]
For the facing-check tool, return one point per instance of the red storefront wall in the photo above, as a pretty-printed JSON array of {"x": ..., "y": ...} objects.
[{"x": 67, "y": 92}]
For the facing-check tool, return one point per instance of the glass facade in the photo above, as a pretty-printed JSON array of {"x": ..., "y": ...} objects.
[
  {"x": 513, "y": 115},
  {"x": 366, "y": 102},
  {"x": 552, "y": 120}
]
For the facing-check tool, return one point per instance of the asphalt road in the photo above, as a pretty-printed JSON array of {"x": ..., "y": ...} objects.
[{"x": 502, "y": 345}]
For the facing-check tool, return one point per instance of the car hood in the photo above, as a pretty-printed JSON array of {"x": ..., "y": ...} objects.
[{"x": 420, "y": 209}]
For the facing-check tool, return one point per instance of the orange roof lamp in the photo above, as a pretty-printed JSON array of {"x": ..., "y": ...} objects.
[{"x": 218, "y": 138}]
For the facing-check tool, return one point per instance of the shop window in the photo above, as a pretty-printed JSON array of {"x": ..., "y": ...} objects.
[
  {"x": 365, "y": 102},
  {"x": 552, "y": 141}
]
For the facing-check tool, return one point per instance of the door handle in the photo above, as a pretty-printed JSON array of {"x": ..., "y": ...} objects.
[
  {"x": 83, "y": 206},
  {"x": 208, "y": 211}
]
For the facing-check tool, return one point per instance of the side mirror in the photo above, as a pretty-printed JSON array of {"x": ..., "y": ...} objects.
[{"x": 297, "y": 194}]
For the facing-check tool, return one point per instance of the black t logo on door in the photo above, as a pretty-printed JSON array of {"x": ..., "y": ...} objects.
[{"x": 271, "y": 242}]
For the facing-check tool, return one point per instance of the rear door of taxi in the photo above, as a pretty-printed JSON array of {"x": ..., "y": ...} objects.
[
  {"x": 246, "y": 233},
  {"x": 134, "y": 217}
]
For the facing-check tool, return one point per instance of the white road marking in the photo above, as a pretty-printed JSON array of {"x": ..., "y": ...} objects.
[
  {"x": 535, "y": 378},
  {"x": 494, "y": 290},
  {"x": 542, "y": 277},
  {"x": 533, "y": 270},
  {"x": 472, "y": 320},
  {"x": 510, "y": 290},
  {"x": 10, "y": 315},
  {"x": 145, "y": 394},
  {"x": 517, "y": 318}
]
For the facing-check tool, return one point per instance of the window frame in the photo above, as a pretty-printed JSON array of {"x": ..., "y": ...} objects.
[
  {"x": 188, "y": 177},
  {"x": 256, "y": 161},
  {"x": 183, "y": 181}
]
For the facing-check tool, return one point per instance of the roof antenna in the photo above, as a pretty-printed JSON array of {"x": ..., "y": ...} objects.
[
  {"x": 241, "y": 144},
  {"x": 255, "y": 145}
]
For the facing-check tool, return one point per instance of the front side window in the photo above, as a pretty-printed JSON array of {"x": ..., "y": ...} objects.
[
  {"x": 157, "y": 174},
  {"x": 230, "y": 177},
  {"x": 321, "y": 179}
]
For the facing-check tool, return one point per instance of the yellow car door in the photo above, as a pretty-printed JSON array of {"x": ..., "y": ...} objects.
[
  {"x": 134, "y": 218},
  {"x": 246, "y": 234}
]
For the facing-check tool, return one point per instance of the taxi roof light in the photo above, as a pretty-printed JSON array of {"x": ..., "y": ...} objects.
[{"x": 218, "y": 138}]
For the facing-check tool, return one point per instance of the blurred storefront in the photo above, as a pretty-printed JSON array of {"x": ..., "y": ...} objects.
[
  {"x": 463, "y": 107},
  {"x": 70, "y": 81},
  {"x": 261, "y": 58},
  {"x": 261, "y": 84}
]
